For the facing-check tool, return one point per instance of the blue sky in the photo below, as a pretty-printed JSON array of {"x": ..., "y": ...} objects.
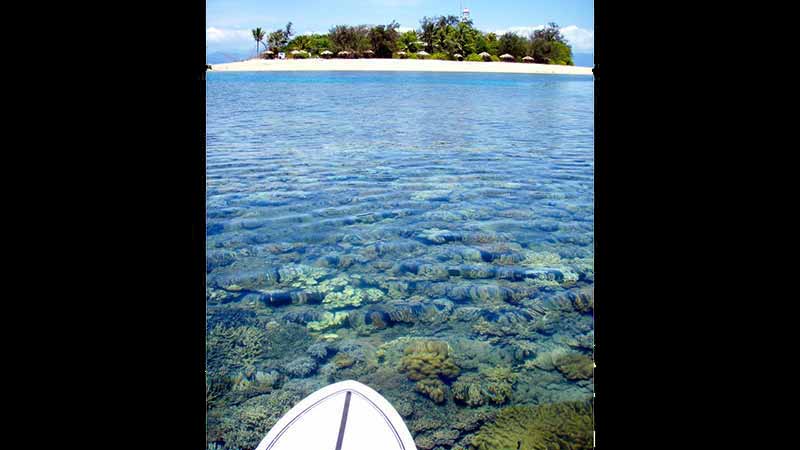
[{"x": 228, "y": 22}]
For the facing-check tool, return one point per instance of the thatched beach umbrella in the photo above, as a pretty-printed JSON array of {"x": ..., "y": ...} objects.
[
  {"x": 269, "y": 54},
  {"x": 343, "y": 54},
  {"x": 527, "y": 59},
  {"x": 458, "y": 56},
  {"x": 368, "y": 53},
  {"x": 402, "y": 54},
  {"x": 485, "y": 56},
  {"x": 423, "y": 53},
  {"x": 326, "y": 54},
  {"x": 506, "y": 57}
]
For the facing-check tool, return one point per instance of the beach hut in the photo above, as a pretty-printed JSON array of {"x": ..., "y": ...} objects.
[
  {"x": 458, "y": 57},
  {"x": 367, "y": 53},
  {"x": 343, "y": 54},
  {"x": 402, "y": 55},
  {"x": 423, "y": 53},
  {"x": 506, "y": 57},
  {"x": 485, "y": 56},
  {"x": 527, "y": 59},
  {"x": 326, "y": 54}
]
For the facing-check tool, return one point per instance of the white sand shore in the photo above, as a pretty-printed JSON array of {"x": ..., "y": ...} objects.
[{"x": 402, "y": 65}]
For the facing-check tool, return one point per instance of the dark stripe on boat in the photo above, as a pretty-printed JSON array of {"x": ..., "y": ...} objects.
[{"x": 344, "y": 421}]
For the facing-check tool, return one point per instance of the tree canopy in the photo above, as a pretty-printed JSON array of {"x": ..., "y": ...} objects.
[
  {"x": 278, "y": 39},
  {"x": 549, "y": 46},
  {"x": 441, "y": 36}
]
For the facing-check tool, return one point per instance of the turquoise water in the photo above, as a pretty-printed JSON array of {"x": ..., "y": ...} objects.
[{"x": 428, "y": 234}]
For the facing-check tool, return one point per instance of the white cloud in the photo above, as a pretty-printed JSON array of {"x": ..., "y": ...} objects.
[
  {"x": 404, "y": 29},
  {"x": 227, "y": 36},
  {"x": 522, "y": 31},
  {"x": 581, "y": 39}
]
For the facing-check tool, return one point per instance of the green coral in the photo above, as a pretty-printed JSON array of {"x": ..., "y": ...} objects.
[
  {"x": 575, "y": 366},
  {"x": 329, "y": 320},
  {"x": 300, "y": 275},
  {"x": 558, "y": 426},
  {"x": 336, "y": 297},
  {"x": 428, "y": 359},
  {"x": 490, "y": 385},
  {"x": 245, "y": 425},
  {"x": 235, "y": 346},
  {"x": 343, "y": 361},
  {"x": 433, "y": 388}
]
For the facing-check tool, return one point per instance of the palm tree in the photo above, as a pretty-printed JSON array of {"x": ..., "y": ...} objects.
[{"x": 258, "y": 35}]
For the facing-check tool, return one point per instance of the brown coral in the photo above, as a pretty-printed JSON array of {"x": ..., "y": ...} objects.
[
  {"x": 490, "y": 385},
  {"x": 428, "y": 359},
  {"x": 433, "y": 388},
  {"x": 575, "y": 366},
  {"x": 559, "y": 426}
]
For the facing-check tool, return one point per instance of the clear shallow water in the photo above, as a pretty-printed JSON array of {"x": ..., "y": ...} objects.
[{"x": 353, "y": 216}]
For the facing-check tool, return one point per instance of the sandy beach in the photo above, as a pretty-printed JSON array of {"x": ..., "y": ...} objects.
[{"x": 400, "y": 65}]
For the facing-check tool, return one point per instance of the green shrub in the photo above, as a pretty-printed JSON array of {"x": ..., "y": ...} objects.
[
  {"x": 413, "y": 56},
  {"x": 495, "y": 58},
  {"x": 473, "y": 57},
  {"x": 298, "y": 56},
  {"x": 440, "y": 56}
]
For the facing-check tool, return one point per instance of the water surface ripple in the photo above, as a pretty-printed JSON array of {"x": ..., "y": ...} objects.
[{"x": 378, "y": 195}]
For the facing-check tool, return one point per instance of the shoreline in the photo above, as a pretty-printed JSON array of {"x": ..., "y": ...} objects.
[{"x": 395, "y": 65}]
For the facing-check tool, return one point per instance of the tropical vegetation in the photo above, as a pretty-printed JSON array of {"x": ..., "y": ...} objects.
[
  {"x": 258, "y": 35},
  {"x": 441, "y": 37}
]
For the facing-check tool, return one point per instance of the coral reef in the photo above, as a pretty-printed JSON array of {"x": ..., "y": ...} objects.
[
  {"x": 559, "y": 426},
  {"x": 428, "y": 359},
  {"x": 301, "y": 367},
  {"x": 522, "y": 349},
  {"x": 575, "y": 366},
  {"x": 250, "y": 382},
  {"x": 343, "y": 360},
  {"x": 235, "y": 346},
  {"x": 546, "y": 360},
  {"x": 245, "y": 425},
  {"x": 453, "y": 290},
  {"x": 490, "y": 385},
  {"x": 433, "y": 388},
  {"x": 339, "y": 293},
  {"x": 329, "y": 320},
  {"x": 319, "y": 350}
]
